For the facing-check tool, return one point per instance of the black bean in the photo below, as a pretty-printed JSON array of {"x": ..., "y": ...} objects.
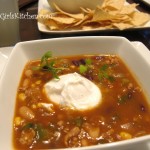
[
  {"x": 89, "y": 77},
  {"x": 82, "y": 61},
  {"x": 142, "y": 108},
  {"x": 103, "y": 141},
  {"x": 76, "y": 62},
  {"x": 45, "y": 67}
]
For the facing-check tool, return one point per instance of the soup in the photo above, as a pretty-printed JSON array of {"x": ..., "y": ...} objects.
[{"x": 54, "y": 111}]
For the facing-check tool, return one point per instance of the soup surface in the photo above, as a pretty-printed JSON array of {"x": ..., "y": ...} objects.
[{"x": 41, "y": 123}]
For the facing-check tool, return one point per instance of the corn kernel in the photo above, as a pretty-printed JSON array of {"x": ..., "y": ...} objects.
[
  {"x": 38, "y": 82},
  {"x": 34, "y": 106},
  {"x": 43, "y": 90},
  {"x": 32, "y": 85},
  {"x": 22, "y": 96},
  {"x": 72, "y": 66},
  {"x": 125, "y": 135},
  {"x": 39, "y": 105},
  {"x": 17, "y": 121}
]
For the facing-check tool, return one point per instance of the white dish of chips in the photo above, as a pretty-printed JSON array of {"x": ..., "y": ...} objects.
[
  {"x": 146, "y": 2},
  {"x": 43, "y": 4}
]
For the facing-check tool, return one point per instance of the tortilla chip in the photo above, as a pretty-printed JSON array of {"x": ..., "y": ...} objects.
[
  {"x": 140, "y": 18},
  {"x": 113, "y": 4},
  {"x": 52, "y": 25},
  {"x": 76, "y": 16},
  {"x": 101, "y": 15},
  {"x": 122, "y": 26},
  {"x": 63, "y": 20},
  {"x": 86, "y": 18},
  {"x": 121, "y": 18},
  {"x": 128, "y": 9}
]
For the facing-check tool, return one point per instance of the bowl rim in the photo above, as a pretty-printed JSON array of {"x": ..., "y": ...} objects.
[{"x": 105, "y": 146}]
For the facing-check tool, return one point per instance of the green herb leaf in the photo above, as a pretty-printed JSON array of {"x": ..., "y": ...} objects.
[
  {"x": 122, "y": 99},
  {"x": 111, "y": 78},
  {"x": 100, "y": 76},
  {"x": 28, "y": 126},
  {"x": 88, "y": 61},
  {"x": 45, "y": 57},
  {"x": 84, "y": 68},
  {"x": 41, "y": 132},
  {"x": 104, "y": 67},
  {"x": 47, "y": 64},
  {"x": 78, "y": 121},
  {"x": 105, "y": 74}
]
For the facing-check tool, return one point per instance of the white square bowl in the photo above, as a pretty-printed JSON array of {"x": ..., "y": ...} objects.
[{"x": 138, "y": 61}]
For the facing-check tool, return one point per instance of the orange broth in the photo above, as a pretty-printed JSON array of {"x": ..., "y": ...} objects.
[{"x": 40, "y": 124}]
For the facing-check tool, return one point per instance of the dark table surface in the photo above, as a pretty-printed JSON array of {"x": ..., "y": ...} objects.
[{"x": 29, "y": 29}]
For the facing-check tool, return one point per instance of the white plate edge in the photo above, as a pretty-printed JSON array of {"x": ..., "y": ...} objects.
[
  {"x": 4, "y": 55},
  {"x": 146, "y": 1}
]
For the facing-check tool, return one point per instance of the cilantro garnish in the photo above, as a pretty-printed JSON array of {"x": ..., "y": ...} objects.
[
  {"x": 84, "y": 68},
  {"x": 48, "y": 64},
  {"x": 105, "y": 74}
]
